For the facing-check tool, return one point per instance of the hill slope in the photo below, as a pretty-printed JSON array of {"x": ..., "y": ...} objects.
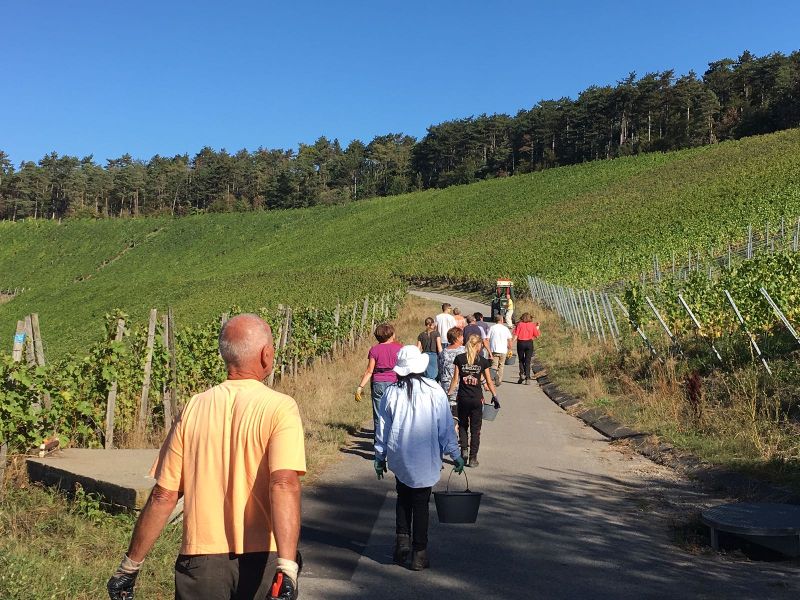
[{"x": 584, "y": 223}]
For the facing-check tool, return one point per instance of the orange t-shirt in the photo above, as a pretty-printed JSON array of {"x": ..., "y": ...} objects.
[
  {"x": 220, "y": 453},
  {"x": 461, "y": 322}
]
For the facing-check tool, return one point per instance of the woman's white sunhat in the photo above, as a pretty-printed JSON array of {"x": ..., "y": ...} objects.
[{"x": 410, "y": 360}]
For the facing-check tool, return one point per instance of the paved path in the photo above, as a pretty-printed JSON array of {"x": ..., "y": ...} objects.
[{"x": 565, "y": 515}]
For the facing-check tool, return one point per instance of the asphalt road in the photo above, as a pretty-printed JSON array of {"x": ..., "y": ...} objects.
[{"x": 565, "y": 515}]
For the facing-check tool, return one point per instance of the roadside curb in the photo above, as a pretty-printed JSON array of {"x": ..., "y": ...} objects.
[{"x": 662, "y": 453}]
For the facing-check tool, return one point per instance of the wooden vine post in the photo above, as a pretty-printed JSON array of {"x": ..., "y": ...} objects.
[
  {"x": 284, "y": 340},
  {"x": 16, "y": 354},
  {"x": 112, "y": 395},
  {"x": 276, "y": 342},
  {"x": 144, "y": 405},
  {"x": 19, "y": 342},
  {"x": 173, "y": 367},
  {"x": 165, "y": 390},
  {"x": 315, "y": 338},
  {"x": 30, "y": 356},
  {"x": 3, "y": 456},
  {"x": 291, "y": 339},
  {"x": 353, "y": 326},
  {"x": 336, "y": 330},
  {"x": 363, "y": 317},
  {"x": 39, "y": 351}
]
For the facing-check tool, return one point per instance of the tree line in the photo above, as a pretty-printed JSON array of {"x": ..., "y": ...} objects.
[{"x": 658, "y": 112}]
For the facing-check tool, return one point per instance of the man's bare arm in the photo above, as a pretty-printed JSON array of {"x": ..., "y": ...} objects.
[
  {"x": 284, "y": 496},
  {"x": 151, "y": 521}
]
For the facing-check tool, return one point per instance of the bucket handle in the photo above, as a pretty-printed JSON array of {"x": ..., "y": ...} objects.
[{"x": 451, "y": 474}]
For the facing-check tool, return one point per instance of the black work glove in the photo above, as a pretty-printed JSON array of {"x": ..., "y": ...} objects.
[
  {"x": 284, "y": 584},
  {"x": 495, "y": 402},
  {"x": 120, "y": 586}
]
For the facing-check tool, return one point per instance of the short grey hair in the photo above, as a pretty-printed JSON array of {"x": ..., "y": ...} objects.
[
  {"x": 242, "y": 337},
  {"x": 470, "y": 319}
]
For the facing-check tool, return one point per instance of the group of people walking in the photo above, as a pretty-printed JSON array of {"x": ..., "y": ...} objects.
[
  {"x": 230, "y": 530},
  {"x": 423, "y": 393}
]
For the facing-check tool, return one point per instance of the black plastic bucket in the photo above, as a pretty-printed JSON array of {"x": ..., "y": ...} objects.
[
  {"x": 511, "y": 360},
  {"x": 457, "y": 507}
]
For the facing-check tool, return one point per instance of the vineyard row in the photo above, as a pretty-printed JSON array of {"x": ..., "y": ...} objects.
[
  {"x": 129, "y": 383},
  {"x": 747, "y": 311}
]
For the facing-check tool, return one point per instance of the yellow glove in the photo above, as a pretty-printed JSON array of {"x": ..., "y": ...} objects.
[
  {"x": 510, "y": 354},
  {"x": 359, "y": 389}
]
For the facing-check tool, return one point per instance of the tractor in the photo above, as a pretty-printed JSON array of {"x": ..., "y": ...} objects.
[{"x": 503, "y": 301}]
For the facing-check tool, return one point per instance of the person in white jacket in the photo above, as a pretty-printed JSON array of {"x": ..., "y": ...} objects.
[{"x": 415, "y": 428}]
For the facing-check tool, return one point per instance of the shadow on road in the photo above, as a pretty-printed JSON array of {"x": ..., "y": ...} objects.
[{"x": 564, "y": 534}]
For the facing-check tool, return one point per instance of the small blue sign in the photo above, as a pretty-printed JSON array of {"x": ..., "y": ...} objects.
[{"x": 19, "y": 338}]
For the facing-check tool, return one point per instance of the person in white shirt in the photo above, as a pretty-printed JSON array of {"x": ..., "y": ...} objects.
[
  {"x": 414, "y": 429},
  {"x": 444, "y": 321},
  {"x": 500, "y": 345}
]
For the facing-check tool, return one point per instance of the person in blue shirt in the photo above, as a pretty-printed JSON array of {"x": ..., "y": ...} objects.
[{"x": 415, "y": 428}]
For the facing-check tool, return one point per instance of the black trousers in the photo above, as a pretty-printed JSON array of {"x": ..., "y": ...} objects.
[
  {"x": 525, "y": 352},
  {"x": 222, "y": 576},
  {"x": 412, "y": 513},
  {"x": 470, "y": 420}
]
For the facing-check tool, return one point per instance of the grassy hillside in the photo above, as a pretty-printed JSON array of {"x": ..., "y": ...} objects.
[{"x": 575, "y": 224}]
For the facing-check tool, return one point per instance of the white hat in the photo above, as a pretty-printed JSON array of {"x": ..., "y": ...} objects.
[{"x": 411, "y": 360}]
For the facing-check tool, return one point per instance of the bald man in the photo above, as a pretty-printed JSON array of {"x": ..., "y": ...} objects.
[{"x": 235, "y": 452}]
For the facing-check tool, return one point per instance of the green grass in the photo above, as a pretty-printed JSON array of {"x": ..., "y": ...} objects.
[
  {"x": 54, "y": 547},
  {"x": 583, "y": 223}
]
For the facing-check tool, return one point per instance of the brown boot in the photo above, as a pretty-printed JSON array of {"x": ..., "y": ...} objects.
[
  {"x": 419, "y": 560},
  {"x": 401, "y": 549}
]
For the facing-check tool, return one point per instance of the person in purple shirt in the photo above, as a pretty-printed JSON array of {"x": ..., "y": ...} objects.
[{"x": 381, "y": 361}]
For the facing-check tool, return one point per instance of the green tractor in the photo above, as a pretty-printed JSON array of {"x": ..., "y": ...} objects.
[{"x": 503, "y": 302}]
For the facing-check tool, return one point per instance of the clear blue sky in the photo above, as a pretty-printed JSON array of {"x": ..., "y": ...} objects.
[{"x": 170, "y": 77}]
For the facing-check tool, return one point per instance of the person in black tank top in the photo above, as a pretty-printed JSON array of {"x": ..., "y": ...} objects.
[{"x": 429, "y": 343}]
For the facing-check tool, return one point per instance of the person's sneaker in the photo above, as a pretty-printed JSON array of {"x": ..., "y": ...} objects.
[
  {"x": 527, "y": 381},
  {"x": 401, "y": 549},
  {"x": 419, "y": 560},
  {"x": 473, "y": 462}
]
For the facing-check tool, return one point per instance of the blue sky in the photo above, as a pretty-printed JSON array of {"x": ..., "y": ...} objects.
[{"x": 170, "y": 77}]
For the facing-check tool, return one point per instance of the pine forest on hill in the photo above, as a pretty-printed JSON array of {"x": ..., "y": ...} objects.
[
  {"x": 657, "y": 112},
  {"x": 583, "y": 224}
]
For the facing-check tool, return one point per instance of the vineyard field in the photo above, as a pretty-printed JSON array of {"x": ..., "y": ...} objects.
[{"x": 582, "y": 225}]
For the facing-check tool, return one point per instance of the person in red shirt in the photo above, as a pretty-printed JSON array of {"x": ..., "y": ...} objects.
[{"x": 524, "y": 332}]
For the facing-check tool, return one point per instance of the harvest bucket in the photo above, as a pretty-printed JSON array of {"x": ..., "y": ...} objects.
[
  {"x": 457, "y": 507},
  {"x": 511, "y": 360},
  {"x": 489, "y": 411}
]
